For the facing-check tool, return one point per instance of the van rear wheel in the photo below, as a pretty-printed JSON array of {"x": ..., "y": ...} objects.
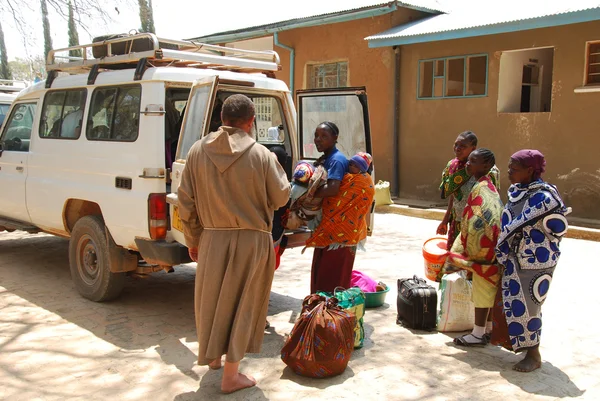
[{"x": 89, "y": 261}]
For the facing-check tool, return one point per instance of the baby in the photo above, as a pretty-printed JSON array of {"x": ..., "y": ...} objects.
[
  {"x": 304, "y": 207},
  {"x": 359, "y": 163}
]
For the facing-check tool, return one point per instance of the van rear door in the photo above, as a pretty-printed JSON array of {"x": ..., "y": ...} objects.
[
  {"x": 348, "y": 109},
  {"x": 195, "y": 126}
]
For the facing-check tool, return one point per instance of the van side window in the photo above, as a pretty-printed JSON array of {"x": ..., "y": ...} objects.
[
  {"x": 17, "y": 131},
  {"x": 114, "y": 114},
  {"x": 62, "y": 114}
]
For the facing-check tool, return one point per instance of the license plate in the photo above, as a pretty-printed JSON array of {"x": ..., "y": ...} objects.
[{"x": 176, "y": 221}]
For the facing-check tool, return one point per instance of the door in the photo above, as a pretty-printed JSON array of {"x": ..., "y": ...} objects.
[
  {"x": 195, "y": 125},
  {"x": 14, "y": 151},
  {"x": 348, "y": 109}
]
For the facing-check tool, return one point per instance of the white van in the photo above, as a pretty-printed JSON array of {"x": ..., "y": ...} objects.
[{"x": 99, "y": 155}]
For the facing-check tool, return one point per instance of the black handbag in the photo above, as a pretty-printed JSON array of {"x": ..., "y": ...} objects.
[{"x": 417, "y": 304}]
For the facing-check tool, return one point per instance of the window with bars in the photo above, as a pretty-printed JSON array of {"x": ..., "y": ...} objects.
[
  {"x": 451, "y": 77},
  {"x": 329, "y": 75},
  {"x": 592, "y": 63}
]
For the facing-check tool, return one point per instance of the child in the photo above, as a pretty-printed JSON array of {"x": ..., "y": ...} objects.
[
  {"x": 305, "y": 208},
  {"x": 474, "y": 249},
  {"x": 358, "y": 164},
  {"x": 457, "y": 183}
]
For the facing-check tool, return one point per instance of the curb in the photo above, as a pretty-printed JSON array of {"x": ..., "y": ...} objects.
[{"x": 575, "y": 232}]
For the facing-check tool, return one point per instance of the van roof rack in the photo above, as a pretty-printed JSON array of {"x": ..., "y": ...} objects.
[
  {"x": 126, "y": 51},
  {"x": 12, "y": 85}
]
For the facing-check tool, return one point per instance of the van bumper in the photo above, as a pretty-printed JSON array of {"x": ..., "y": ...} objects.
[{"x": 162, "y": 253}]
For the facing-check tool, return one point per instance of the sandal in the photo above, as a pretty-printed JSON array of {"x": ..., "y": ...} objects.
[{"x": 464, "y": 343}]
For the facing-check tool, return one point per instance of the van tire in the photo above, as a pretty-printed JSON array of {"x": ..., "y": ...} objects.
[{"x": 89, "y": 261}]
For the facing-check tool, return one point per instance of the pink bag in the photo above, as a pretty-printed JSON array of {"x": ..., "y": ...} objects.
[{"x": 362, "y": 281}]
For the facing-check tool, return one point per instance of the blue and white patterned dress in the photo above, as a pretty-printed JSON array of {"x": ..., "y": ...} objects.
[{"x": 533, "y": 223}]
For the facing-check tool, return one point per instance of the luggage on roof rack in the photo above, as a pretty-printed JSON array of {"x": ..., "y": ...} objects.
[{"x": 130, "y": 46}]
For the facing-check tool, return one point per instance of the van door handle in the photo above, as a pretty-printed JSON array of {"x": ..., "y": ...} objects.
[{"x": 20, "y": 168}]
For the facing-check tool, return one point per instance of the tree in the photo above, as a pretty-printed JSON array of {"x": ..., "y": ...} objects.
[
  {"x": 5, "y": 72},
  {"x": 46, "y": 24},
  {"x": 146, "y": 17},
  {"x": 28, "y": 70},
  {"x": 73, "y": 36},
  {"x": 86, "y": 13}
]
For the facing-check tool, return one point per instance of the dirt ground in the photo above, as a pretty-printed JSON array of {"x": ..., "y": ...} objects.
[{"x": 55, "y": 345}]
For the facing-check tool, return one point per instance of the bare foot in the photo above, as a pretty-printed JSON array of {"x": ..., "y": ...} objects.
[
  {"x": 241, "y": 381},
  {"x": 531, "y": 362},
  {"x": 215, "y": 365}
]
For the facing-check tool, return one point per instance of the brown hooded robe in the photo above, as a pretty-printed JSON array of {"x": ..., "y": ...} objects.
[{"x": 229, "y": 188}]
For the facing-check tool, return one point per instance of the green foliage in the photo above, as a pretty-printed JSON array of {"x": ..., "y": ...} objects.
[
  {"x": 5, "y": 71},
  {"x": 28, "y": 70},
  {"x": 73, "y": 36},
  {"x": 146, "y": 17},
  {"x": 46, "y": 25}
]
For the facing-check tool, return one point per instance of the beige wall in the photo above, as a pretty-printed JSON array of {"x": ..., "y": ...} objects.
[
  {"x": 372, "y": 68},
  {"x": 568, "y": 135}
]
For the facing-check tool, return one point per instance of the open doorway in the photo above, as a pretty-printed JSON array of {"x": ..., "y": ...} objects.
[{"x": 525, "y": 83}]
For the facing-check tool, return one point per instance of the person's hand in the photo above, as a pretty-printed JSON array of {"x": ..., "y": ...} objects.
[
  {"x": 193, "y": 254},
  {"x": 442, "y": 228}
]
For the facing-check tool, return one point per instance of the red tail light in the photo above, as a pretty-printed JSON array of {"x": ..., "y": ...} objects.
[{"x": 157, "y": 216}]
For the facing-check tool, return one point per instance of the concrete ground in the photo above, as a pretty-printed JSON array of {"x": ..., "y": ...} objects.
[{"x": 55, "y": 345}]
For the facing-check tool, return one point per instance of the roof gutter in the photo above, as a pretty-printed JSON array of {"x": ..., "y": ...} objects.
[
  {"x": 292, "y": 59},
  {"x": 250, "y": 33}
]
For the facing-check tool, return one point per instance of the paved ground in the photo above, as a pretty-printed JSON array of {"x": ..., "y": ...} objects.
[{"x": 55, "y": 345}]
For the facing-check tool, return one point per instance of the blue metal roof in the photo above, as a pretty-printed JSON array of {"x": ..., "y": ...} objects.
[
  {"x": 302, "y": 14},
  {"x": 472, "y": 18}
]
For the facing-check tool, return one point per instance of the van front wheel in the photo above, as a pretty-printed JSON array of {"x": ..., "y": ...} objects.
[{"x": 89, "y": 261}]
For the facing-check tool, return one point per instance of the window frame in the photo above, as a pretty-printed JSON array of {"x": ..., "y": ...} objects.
[
  {"x": 465, "y": 59},
  {"x": 112, "y": 122},
  {"x": 8, "y": 120},
  {"x": 83, "y": 120},
  {"x": 311, "y": 66},
  {"x": 586, "y": 66}
]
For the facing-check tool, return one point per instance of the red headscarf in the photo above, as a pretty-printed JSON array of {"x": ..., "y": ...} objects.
[{"x": 531, "y": 158}]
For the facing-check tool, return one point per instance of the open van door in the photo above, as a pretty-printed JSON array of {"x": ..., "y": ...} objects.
[
  {"x": 196, "y": 122},
  {"x": 348, "y": 109}
]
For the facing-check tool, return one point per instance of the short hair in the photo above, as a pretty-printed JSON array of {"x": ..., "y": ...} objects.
[
  {"x": 237, "y": 109},
  {"x": 470, "y": 137},
  {"x": 331, "y": 127},
  {"x": 486, "y": 155}
]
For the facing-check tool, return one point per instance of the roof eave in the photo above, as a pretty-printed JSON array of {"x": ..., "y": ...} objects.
[
  {"x": 344, "y": 16},
  {"x": 507, "y": 27}
]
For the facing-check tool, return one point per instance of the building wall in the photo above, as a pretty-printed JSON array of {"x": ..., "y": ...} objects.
[
  {"x": 264, "y": 43},
  {"x": 567, "y": 135},
  {"x": 372, "y": 68}
]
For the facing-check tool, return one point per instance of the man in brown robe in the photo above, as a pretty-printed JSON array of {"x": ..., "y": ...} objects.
[{"x": 229, "y": 189}]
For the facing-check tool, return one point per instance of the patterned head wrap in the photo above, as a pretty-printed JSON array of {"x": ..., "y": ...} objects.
[{"x": 531, "y": 158}]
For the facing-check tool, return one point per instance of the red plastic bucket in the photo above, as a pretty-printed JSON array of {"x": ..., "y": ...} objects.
[{"x": 434, "y": 254}]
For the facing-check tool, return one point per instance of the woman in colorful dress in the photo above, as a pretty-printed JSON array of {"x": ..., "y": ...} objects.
[
  {"x": 343, "y": 226},
  {"x": 533, "y": 223},
  {"x": 456, "y": 185},
  {"x": 474, "y": 250}
]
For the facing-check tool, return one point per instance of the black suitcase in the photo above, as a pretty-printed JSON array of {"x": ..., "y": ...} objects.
[{"x": 417, "y": 304}]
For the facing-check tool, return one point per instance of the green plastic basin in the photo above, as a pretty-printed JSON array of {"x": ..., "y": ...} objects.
[{"x": 376, "y": 299}]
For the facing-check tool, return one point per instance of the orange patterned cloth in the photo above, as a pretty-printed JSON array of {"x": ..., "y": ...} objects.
[{"x": 344, "y": 221}]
